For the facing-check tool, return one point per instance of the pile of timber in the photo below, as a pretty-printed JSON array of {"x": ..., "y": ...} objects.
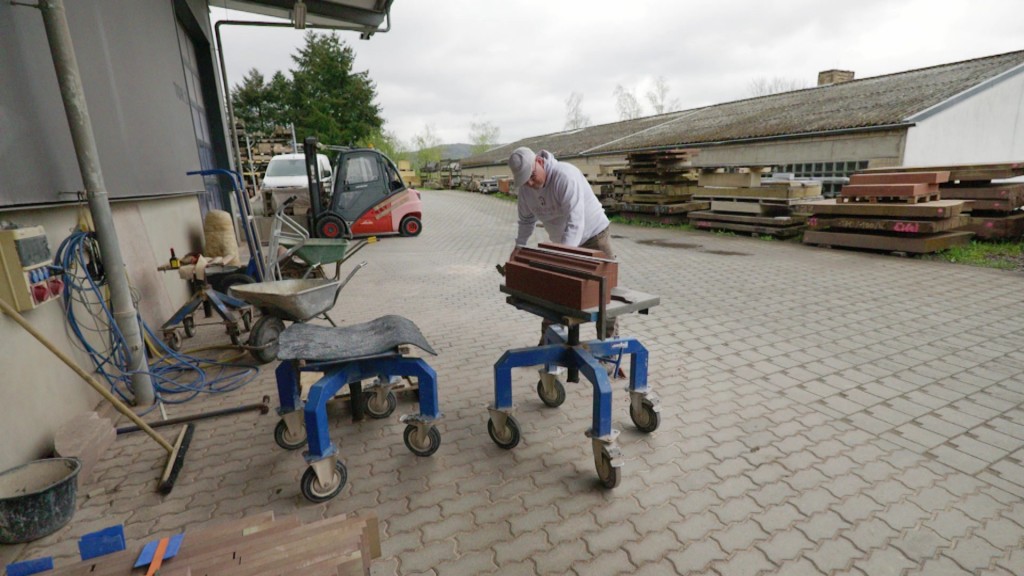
[
  {"x": 891, "y": 212},
  {"x": 995, "y": 208},
  {"x": 659, "y": 186},
  {"x": 745, "y": 201},
  {"x": 608, "y": 185},
  {"x": 257, "y": 545}
]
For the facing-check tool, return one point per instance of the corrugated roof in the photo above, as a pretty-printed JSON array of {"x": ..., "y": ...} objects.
[{"x": 869, "y": 102}]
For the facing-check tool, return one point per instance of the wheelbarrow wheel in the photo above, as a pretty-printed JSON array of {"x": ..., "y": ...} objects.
[
  {"x": 316, "y": 492},
  {"x": 263, "y": 338},
  {"x": 379, "y": 406},
  {"x": 287, "y": 440},
  {"x": 421, "y": 445},
  {"x": 507, "y": 438}
]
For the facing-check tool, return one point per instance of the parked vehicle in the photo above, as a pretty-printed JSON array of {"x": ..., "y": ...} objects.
[
  {"x": 489, "y": 186},
  {"x": 367, "y": 197},
  {"x": 286, "y": 177}
]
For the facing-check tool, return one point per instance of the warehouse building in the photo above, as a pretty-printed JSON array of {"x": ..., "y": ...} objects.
[{"x": 968, "y": 112}]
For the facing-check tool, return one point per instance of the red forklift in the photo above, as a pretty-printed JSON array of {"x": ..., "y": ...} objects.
[{"x": 368, "y": 196}]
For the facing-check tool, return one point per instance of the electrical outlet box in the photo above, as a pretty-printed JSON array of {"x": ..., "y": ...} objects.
[{"x": 26, "y": 281}]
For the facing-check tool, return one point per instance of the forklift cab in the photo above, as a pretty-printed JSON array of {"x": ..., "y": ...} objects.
[{"x": 368, "y": 197}]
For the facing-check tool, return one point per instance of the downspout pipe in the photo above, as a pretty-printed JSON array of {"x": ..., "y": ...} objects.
[{"x": 125, "y": 316}]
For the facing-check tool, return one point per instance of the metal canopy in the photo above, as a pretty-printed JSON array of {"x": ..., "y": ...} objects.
[{"x": 363, "y": 15}]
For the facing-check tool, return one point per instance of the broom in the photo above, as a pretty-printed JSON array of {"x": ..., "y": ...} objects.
[{"x": 175, "y": 453}]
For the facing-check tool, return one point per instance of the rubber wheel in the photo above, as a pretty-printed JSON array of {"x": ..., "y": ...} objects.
[
  {"x": 557, "y": 397},
  {"x": 379, "y": 411},
  {"x": 173, "y": 340},
  {"x": 189, "y": 326},
  {"x": 286, "y": 440},
  {"x": 647, "y": 420},
  {"x": 421, "y": 446},
  {"x": 234, "y": 279},
  {"x": 608, "y": 474},
  {"x": 410, "y": 226},
  {"x": 264, "y": 337},
  {"x": 315, "y": 492},
  {"x": 330, "y": 226},
  {"x": 509, "y": 437}
]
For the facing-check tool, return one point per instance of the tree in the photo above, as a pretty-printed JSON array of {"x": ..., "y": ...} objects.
[
  {"x": 626, "y": 103},
  {"x": 765, "y": 86},
  {"x": 574, "y": 116},
  {"x": 250, "y": 102},
  {"x": 389, "y": 143},
  {"x": 483, "y": 135},
  {"x": 427, "y": 146},
  {"x": 327, "y": 99},
  {"x": 658, "y": 97}
]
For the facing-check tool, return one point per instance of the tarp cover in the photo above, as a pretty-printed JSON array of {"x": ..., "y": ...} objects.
[{"x": 378, "y": 337}]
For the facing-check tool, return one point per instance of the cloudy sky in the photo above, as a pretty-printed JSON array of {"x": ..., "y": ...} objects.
[{"x": 449, "y": 63}]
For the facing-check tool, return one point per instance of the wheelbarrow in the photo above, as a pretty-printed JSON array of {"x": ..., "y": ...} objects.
[
  {"x": 287, "y": 234},
  {"x": 293, "y": 300}
]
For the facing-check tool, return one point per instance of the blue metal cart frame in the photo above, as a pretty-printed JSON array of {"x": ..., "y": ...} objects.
[
  {"x": 303, "y": 424},
  {"x": 562, "y": 348}
]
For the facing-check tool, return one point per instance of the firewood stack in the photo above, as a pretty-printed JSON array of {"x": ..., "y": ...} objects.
[
  {"x": 743, "y": 200},
  {"x": 889, "y": 211},
  {"x": 660, "y": 186}
]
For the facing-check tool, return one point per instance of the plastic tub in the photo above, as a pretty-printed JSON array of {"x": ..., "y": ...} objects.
[{"x": 37, "y": 499}]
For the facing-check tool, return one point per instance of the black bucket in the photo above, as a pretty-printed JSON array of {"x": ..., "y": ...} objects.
[{"x": 36, "y": 499}]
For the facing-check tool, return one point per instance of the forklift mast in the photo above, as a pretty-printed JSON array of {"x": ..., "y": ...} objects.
[{"x": 317, "y": 198}]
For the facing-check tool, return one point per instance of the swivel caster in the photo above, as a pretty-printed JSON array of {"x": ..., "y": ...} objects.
[
  {"x": 419, "y": 442},
  {"x": 645, "y": 412},
  {"x": 379, "y": 404},
  {"x": 315, "y": 491},
  {"x": 286, "y": 439},
  {"x": 505, "y": 435},
  {"x": 552, "y": 392}
]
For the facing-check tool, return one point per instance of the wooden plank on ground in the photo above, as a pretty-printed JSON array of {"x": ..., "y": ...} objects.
[
  {"x": 911, "y": 244},
  {"x": 899, "y": 226},
  {"x": 681, "y": 208},
  {"x": 997, "y": 227},
  {"x": 773, "y": 192},
  {"x": 788, "y": 220},
  {"x": 1010, "y": 192},
  {"x": 775, "y": 231},
  {"x": 888, "y": 190},
  {"x": 935, "y": 209},
  {"x": 733, "y": 205}
]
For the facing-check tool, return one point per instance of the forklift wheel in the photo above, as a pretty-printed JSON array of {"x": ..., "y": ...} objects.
[
  {"x": 330, "y": 226},
  {"x": 410, "y": 226}
]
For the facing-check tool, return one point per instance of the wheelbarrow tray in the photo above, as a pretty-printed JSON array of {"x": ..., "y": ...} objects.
[
  {"x": 316, "y": 250},
  {"x": 295, "y": 300}
]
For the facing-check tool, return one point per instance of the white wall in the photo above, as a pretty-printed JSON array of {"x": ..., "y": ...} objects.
[
  {"x": 985, "y": 126},
  {"x": 38, "y": 392}
]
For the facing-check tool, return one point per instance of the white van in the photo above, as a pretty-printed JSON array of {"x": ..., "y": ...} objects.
[{"x": 286, "y": 176}]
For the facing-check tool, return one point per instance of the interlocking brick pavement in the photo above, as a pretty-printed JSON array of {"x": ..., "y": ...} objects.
[{"x": 823, "y": 412}]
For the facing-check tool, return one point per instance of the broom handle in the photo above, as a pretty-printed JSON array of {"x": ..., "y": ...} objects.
[{"x": 121, "y": 407}]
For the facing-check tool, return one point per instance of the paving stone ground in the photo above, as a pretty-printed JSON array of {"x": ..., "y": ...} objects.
[{"x": 823, "y": 412}]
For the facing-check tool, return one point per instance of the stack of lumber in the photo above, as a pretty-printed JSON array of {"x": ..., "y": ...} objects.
[
  {"x": 745, "y": 201},
  {"x": 889, "y": 211},
  {"x": 659, "y": 186},
  {"x": 995, "y": 208},
  {"x": 257, "y": 545}
]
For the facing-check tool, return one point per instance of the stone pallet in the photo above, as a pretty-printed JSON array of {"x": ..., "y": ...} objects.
[
  {"x": 920, "y": 244},
  {"x": 895, "y": 225},
  {"x": 778, "y": 227},
  {"x": 963, "y": 172},
  {"x": 754, "y": 205},
  {"x": 662, "y": 209},
  {"x": 1006, "y": 227}
]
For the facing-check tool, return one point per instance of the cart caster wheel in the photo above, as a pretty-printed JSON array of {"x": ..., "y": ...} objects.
[
  {"x": 555, "y": 397},
  {"x": 507, "y": 438},
  {"x": 379, "y": 408},
  {"x": 173, "y": 340},
  {"x": 422, "y": 446},
  {"x": 287, "y": 440},
  {"x": 645, "y": 417},
  {"x": 315, "y": 492},
  {"x": 609, "y": 475},
  {"x": 263, "y": 338},
  {"x": 189, "y": 326}
]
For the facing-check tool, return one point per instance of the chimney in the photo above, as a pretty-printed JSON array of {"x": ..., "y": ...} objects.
[{"x": 834, "y": 77}]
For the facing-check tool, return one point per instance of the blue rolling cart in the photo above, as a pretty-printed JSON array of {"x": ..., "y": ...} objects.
[{"x": 562, "y": 349}]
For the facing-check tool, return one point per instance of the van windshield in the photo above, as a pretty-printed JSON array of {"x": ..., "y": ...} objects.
[{"x": 283, "y": 167}]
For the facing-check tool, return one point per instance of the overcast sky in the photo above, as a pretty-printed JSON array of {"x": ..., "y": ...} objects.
[{"x": 513, "y": 63}]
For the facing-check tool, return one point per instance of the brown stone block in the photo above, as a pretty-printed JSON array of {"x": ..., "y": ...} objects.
[{"x": 937, "y": 177}]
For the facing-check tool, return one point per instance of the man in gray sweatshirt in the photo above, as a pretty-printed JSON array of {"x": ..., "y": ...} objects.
[{"x": 557, "y": 194}]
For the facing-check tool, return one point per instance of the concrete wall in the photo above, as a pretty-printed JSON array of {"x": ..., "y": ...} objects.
[
  {"x": 39, "y": 393},
  {"x": 985, "y": 125}
]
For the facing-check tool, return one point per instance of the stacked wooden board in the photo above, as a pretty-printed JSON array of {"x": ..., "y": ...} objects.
[
  {"x": 887, "y": 211},
  {"x": 744, "y": 201},
  {"x": 995, "y": 208},
  {"x": 660, "y": 186},
  {"x": 608, "y": 185},
  {"x": 257, "y": 545}
]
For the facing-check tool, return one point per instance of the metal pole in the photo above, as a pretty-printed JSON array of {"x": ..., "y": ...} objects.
[{"x": 125, "y": 316}]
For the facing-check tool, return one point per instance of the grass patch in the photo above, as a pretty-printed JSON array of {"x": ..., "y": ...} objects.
[
  {"x": 645, "y": 224},
  {"x": 999, "y": 255},
  {"x": 505, "y": 197}
]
